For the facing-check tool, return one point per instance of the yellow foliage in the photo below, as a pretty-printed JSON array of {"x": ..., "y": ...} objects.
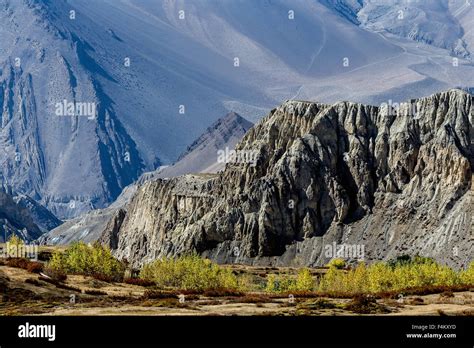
[
  {"x": 304, "y": 280},
  {"x": 272, "y": 283},
  {"x": 467, "y": 276},
  {"x": 95, "y": 260},
  {"x": 15, "y": 240},
  {"x": 337, "y": 263},
  {"x": 393, "y": 277},
  {"x": 189, "y": 272},
  {"x": 284, "y": 283}
]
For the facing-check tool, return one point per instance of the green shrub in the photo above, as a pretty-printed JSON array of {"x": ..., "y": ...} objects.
[
  {"x": 337, "y": 263},
  {"x": 280, "y": 283},
  {"x": 404, "y": 274},
  {"x": 95, "y": 260},
  {"x": 304, "y": 280},
  {"x": 14, "y": 246},
  {"x": 15, "y": 240},
  {"x": 333, "y": 280},
  {"x": 284, "y": 283},
  {"x": 57, "y": 261},
  {"x": 189, "y": 272},
  {"x": 272, "y": 283},
  {"x": 467, "y": 276},
  {"x": 94, "y": 292}
]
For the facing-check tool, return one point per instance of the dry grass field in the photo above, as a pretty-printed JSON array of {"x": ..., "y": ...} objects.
[{"x": 26, "y": 293}]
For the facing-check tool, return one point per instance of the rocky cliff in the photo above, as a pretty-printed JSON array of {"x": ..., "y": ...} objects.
[{"x": 389, "y": 180}]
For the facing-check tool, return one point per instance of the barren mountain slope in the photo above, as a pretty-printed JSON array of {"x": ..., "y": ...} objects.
[
  {"x": 159, "y": 77},
  {"x": 396, "y": 182},
  {"x": 201, "y": 156}
]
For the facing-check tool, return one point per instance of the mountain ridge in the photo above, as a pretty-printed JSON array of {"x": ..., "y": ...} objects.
[
  {"x": 340, "y": 173},
  {"x": 160, "y": 80}
]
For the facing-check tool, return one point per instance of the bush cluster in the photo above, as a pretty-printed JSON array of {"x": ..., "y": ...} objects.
[
  {"x": 96, "y": 261},
  {"x": 189, "y": 272},
  {"x": 337, "y": 263},
  {"x": 394, "y": 276},
  {"x": 284, "y": 283},
  {"x": 401, "y": 274}
]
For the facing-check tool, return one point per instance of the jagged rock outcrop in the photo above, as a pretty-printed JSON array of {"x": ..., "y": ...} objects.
[{"x": 395, "y": 181}]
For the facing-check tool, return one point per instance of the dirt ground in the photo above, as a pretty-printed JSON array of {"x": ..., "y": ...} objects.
[{"x": 26, "y": 294}]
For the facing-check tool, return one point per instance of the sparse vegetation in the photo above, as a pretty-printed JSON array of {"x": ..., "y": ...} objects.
[
  {"x": 17, "y": 262},
  {"x": 189, "y": 272},
  {"x": 139, "y": 282},
  {"x": 371, "y": 289},
  {"x": 320, "y": 303},
  {"x": 157, "y": 294},
  {"x": 224, "y": 292},
  {"x": 57, "y": 275},
  {"x": 34, "y": 267},
  {"x": 32, "y": 281},
  {"x": 254, "y": 298},
  {"x": 447, "y": 294},
  {"x": 94, "y": 292},
  {"x": 416, "y": 301},
  {"x": 68, "y": 287},
  {"x": 366, "y": 304},
  {"x": 374, "y": 289},
  {"x": 20, "y": 262}
]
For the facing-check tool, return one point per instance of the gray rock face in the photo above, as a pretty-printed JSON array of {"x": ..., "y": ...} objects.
[
  {"x": 390, "y": 181},
  {"x": 200, "y": 156},
  {"x": 16, "y": 219},
  {"x": 42, "y": 217},
  {"x": 65, "y": 161}
]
